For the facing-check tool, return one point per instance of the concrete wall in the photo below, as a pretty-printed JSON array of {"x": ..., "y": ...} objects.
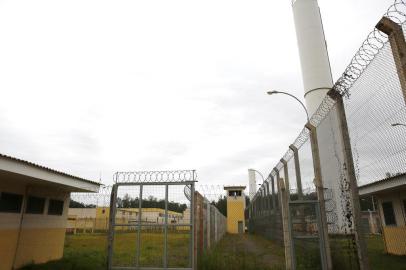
[{"x": 31, "y": 238}]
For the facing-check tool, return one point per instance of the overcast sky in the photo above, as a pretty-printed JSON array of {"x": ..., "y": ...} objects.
[{"x": 94, "y": 87}]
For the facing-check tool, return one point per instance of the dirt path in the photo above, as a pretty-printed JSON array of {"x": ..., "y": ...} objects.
[
  {"x": 249, "y": 252},
  {"x": 269, "y": 253}
]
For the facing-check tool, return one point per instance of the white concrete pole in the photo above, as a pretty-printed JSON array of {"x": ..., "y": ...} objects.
[
  {"x": 252, "y": 183},
  {"x": 316, "y": 71}
]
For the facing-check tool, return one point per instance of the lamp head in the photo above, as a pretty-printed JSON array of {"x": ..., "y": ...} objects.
[{"x": 272, "y": 92}]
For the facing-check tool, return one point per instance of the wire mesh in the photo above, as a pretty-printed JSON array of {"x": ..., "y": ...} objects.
[
  {"x": 306, "y": 169},
  {"x": 292, "y": 179},
  {"x": 376, "y": 118},
  {"x": 374, "y": 104}
]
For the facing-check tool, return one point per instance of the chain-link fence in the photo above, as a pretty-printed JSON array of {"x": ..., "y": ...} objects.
[
  {"x": 89, "y": 213},
  {"x": 354, "y": 145}
]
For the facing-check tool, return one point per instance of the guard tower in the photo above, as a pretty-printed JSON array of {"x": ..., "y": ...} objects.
[{"x": 235, "y": 209}]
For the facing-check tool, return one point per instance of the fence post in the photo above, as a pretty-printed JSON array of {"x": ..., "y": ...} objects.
[
  {"x": 267, "y": 197},
  {"x": 286, "y": 172},
  {"x": 320, "y": 193},
  {"x": 398, "y": 45},
  {"x": 263, "y": 199},
  {"x": 208, "y": 229},
  {"x": 215, "y": 225},
  {"x": 297, "y": 171},
  {"x": 285, "y": 223},
  {"x": 352, "y": 179},
  {"x": 112, "y": 219},
  {"x": 288, "y": 226},
  {"x": 273, "y": 192},
  {"x": 277, "y": 185}
]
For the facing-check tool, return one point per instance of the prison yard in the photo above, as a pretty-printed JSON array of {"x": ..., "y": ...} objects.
[
  {"x": 88, "y": 251},
  {"x": 234, "y": 252},
  {"x": 334, "y": 199}
]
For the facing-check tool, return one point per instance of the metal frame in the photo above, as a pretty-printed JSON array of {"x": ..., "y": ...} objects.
[
  {"x": 320, "y": 235},
  {"x": 173, "y": 179}
]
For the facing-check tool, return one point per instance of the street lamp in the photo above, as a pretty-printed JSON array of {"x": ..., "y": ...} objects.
[
  {"x": 262, "y": 176},
  {"x": 285, "y": 93},
  {"x": 398, "y": 124}
]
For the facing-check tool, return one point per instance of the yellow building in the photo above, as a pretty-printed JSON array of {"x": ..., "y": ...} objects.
[
  {"x": 390, "y": 195},
  {"x": 97, "y": 219},
  {"x": 235, "y": 209},
  {"x": 34, "y": 203}
]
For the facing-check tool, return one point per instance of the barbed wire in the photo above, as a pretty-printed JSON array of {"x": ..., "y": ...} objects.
[
  {"x": 371, "y": 46},
  {"x": 155, "y": 176},
  {"x": 102, "y": 198},
  {"x": 368, "y": 51},
  {"x": 288, "y": 155},
  {"x": 322, "y": 111}
]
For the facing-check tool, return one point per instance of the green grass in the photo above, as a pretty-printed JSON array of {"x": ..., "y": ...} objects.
[
  {"x": 344, "y": 256},
  {"x": 233, "y": 252},
  {"x": 243, "y": 252},
  {"x": 89, "y": 251},
  {"x": 381, "y": 261}
]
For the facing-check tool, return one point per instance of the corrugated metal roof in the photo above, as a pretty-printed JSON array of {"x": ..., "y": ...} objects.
[
  {"x": 46, "y": 168},
  {"x": 383, "y": 180}
]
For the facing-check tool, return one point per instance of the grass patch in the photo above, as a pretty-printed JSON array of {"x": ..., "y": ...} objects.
[
  {"x": 233, "y": 252},
  {"x": 344, "y": 256},
  {"x": 381, "y": 261},
  {"x": 243, "y": 252},
  {"x": 89, "y": 251}
]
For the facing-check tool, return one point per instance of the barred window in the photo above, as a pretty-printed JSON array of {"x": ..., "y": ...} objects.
[
  {"x": 10, "y": 202},
  {"x": 55, "y": 207},
  {"x": 234, "y": 193},
  {"x": 35, "y": 205}
]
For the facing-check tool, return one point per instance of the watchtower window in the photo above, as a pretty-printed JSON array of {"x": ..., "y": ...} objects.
[{"x": 234, "y": 193}]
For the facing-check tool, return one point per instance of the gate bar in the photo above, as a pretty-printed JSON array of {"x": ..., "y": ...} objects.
[
  {"x": 192, "y": 231},
  {"x": 166, "y": 229},
  {"x": 137, "y": 263},
  {"x": 112, "y": 218}
]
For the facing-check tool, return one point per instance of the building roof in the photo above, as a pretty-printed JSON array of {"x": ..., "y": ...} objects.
[
  {"x": 234, "y": 187},
  {"x": 388, "y": 183},
  {"x": 22, "y": 167}
]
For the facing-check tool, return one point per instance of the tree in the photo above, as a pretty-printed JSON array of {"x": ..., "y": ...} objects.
[
  {"x": 75, "y": 204},
  {"x": 221, "y": 204},
  {"x": 150, "y": 202}
]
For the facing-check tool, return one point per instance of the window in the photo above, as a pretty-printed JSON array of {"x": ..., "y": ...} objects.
[
  {"x": 234, "y": 193},
  {"x": 55, "y": 207},
  {"x": 389, "y": 214},
  {"x": 404, "y": 206},
  {"x": 35, "y": 205},
  {"x": 10, "y": 203}
]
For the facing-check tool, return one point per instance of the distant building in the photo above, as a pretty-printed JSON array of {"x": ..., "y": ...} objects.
[
  {"x": 235, "y": 209},
  {"x": 96, "y": 219},
  {"x": 34, "y": 203},
  {"x": 390, "y": 194}
]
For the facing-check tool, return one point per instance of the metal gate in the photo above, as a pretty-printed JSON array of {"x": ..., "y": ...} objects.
[
  {"x": 151, "y": 220},
  {"x": 308, "y": 250}
]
